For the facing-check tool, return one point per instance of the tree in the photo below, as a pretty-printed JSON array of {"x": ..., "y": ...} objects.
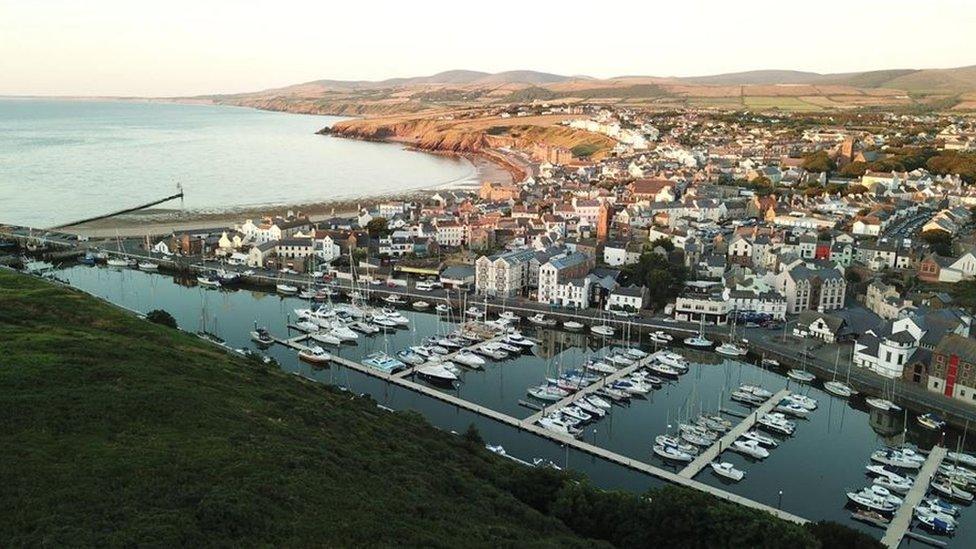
[
  {"x": 854, "y": 169},
  {"x": 939, "y": 242},
  {"x": 473, "y": 436},
  {"x": 819, "y": 161},
  {"x": 160, "y": 316},
  {"x": 852, "y": 276},
  {"x": 663, "y": 242},
  {"x": 664, "y": 280},
  {"x": 378, "y": 226}
]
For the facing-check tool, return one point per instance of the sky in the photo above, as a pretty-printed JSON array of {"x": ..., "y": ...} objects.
[{"x": 180, "y": 48}]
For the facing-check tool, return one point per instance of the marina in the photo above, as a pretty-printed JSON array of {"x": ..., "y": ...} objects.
[
  {"x": 903, "y": 518},
  {"x": 841, "y": 433}
]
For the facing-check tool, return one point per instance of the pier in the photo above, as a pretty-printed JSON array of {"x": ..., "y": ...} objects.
[
  {"x": 623, "y": 372},
  {"x": 898, "y": 528},
  {"x": 586, "y": 447},
  {"x": 735, "y": 432},
  {"x": 120, "y": 212}
]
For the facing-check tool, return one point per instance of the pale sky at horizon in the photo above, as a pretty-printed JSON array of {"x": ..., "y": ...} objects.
[{"x": 113, "y": 47}]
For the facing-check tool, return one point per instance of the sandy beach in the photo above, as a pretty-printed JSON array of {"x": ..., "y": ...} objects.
[{"x": 162, "y": 221}]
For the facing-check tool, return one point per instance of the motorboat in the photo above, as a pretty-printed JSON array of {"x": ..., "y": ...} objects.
[
  {"x": 660, "y": 337},
  {"x": 955, "y": 471},
  {"x": 307, "y": 294},
  {"x": 613, "y": 394},
  {"x": 573, "y": 326},
  {"x": 598, "y": 402},
  {"x": 635, "y": 353},
  {"x": 343, "y": 332},
  {"x": 630, "y": 386},
  {"x": 508, "y": 347},
  {"x": 618, "y": 359},
  {"x": 792, "y": 409},
  {"x": 839, "y": 388},
  {"x": 947, "y": 489},
  {"x": 394, "y": 299},
  {"x": 556, "y": 424},
  {"x": 872, "y": 502},
  {"x": 935, "y": 522},
  {"x": 674, "y": 360},
  {"x": 437, "y": 373},
  {"x": 895, "y": 458},
  {"x": 664, "y": 370},
  {"x": 469, "y": 359},
  {"x": 672, "y": 454},
  {"x": 777, "y": 423},
  {"x": 261, "y": 336},
  {"x": 443, "y": 308},
  {"x": 326, "y": 337},
  {"x": 307, "y": 326},
  {"x": 760, "y": 438},
  {"x": 409, "y": 356},
  {"x": 697, "y": 435},
  {"x": 314, "y": 354},
  {"x": 731, "y": 349},
  {"x": 148, "y": 266},
  {"x": 493, "y": 353},
  {"x": 602, "y": 330},
  {"x": 542, "y": 320},
  {"x": 883, "y": 492},
  {"x": 884, "y": 471},
  {"x": 286, "y": 289},
  {"x": 699, "y": 341},
  {"x": 599, "y": 366},
  {"x": 715, "y": 423},
  {"x": 118, "y": 262},
  {"x": 364, "y": 327},
  {"x": 746, "y": 397},
  {"x": 516, "y": 338},
  {"x": 395, "y": 316},
  {"x": 548, "y": 393},
  {"x": 960, "y": 457},
  {"x": 769, "y": 362},
  {"x": 670, "y": 440},
  {"x": 727, "y": 470},
  {"x": 756, "y": 391},
  {"x": 802, "y": 376},
  {"x": 420, "y": 305},
  {"x": 576, "y": 413},
  {"x": 750, "y": 448},
  {"x": 584, "y": 405},
  {"x": 802, "y": 400},
  {"x": 509, "y": 316},
  {"x": 941, "y": 505},
  {"x": 474, "y": 312},
  {"x": 931, "y": 421},
  {"x": 382, "y": 322},
  {"x": 900, "y": 485},
  {"x": 383, "y": 362},
  {"x": 208, "y": 281}
]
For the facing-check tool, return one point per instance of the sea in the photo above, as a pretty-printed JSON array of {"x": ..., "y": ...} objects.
[{"x": 64, "y": 160}]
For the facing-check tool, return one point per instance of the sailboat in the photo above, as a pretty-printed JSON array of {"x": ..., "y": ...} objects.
[
  {"x": 203, "y": 333},
  {"x": 729, "y": 348},
  {"x": 884, "y": 404},
  {"x": 699, "y": 340},
  {"x": 604, "y": 329},
  {"x": 802, "y": 375},
  {"x": 146, "y": 265},
  {"x": 121, "y": 260},
  {"x": 840, "y": 388}
]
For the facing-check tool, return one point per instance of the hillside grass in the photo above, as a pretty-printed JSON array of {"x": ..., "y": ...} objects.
[{"x": 118, "y": 431}]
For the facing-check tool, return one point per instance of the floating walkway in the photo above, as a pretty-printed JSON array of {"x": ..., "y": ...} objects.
[
  {"x": 623, "y": 372},
  {"x": 735, "y": 432},
  {"x": 898, "y": 528},
  {"x": 407, "y": 372},
  {"x": 565, "y": 440}
]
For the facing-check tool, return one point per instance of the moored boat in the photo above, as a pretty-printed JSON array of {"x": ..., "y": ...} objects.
[{"x": 727, "y": 470}]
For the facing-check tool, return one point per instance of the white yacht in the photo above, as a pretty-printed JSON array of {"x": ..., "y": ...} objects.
[
  {"x": 468, "y": 358},
  {"x": 896, "y": 458},
  {"x": 286, "y": 289},
  {"x": 760, "y": 438},
  {"x": 671, "y": 453},
  {"x": 839, "y": 388},
  {"x": 730, "y": 349},
  {"x": 727, "y": 470},
  {"x": 882, "y": 404},
  {"x": 602, "y": 330},
  {"x": 670, "y": 440},
  {"x": 750, "y": 448},
  {"x": 598, "y": 402},
  {"x": 873, "y": 502},
  {"x": 148, "y": 266},
  {"x": 542, "y": 320},
  {"x": 326, "y": 337},
  {"x": 660, "y": 337},
  {"x": 674, "y": 360},
  {"x": 802, "y": 400},
  {"x": 802, "y": 376},
  {"x": 314, "y": 354},
  {"x": 896, "y": 484},
  {"x": 509, "y": 316},
  {"x": 792, "y": 409},
  {"x": 443, "y": 308},
  {"x": 437, "y": 373},
  {"x": 420, "y": 305},
  {"x": 573, "y": 326}
]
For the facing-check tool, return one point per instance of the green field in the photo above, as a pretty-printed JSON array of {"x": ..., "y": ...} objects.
[
  {"x": 117, "y": 431},
  {"x": 793, "y": 104}
]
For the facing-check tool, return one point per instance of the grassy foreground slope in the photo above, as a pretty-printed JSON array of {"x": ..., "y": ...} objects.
[{"x": 116, "y": 431}]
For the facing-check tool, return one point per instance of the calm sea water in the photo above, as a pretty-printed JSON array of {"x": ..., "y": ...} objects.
[
  {"x": 813, "y": 469},
  {"x": 65, "y": 160}
]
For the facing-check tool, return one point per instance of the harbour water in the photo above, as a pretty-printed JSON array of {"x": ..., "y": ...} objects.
[
  {"x": 65, "y": 160},
  {"x": 807, "y": 474}
]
